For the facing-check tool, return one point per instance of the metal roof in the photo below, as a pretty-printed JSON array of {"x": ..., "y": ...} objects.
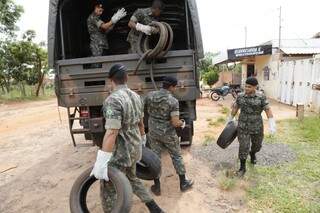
[{"x": 297, "y": 46}]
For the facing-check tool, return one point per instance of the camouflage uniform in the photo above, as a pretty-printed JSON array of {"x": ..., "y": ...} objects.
[
  {"x": 250, "y": 126},
  {"x": 123, "y": 110},
  {"x": 98, "y": 39},
  {"x": 161, "y": 106},
  {"x": 143, "y": 16}
]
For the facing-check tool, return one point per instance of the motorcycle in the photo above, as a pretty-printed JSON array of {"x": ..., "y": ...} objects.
[{"x": 217, "y": 93}]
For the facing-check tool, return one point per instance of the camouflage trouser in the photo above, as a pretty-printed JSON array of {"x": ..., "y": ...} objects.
[
  {"x": 133, "y": 46},
  {"x": 109, "y": 195},
  {"x": 97, "y": 49},
  {"x": 170, "y": 143},
  {"x": 244, "y": 141}
]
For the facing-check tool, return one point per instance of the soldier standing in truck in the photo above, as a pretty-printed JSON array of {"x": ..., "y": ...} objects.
[
  {"x": 163, "y": 110},
  {"x": 122, "y": 143},
  {"x": 98, "y": 29},
  {"x": 139, "y": 23}
]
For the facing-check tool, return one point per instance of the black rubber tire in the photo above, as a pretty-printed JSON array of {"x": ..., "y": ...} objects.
[
  {"x": 215, "y": 96},
  {"x": 82, "y": 184},
  {"x": 149, "y": 167},
  {"x": 228, "y": 135}
]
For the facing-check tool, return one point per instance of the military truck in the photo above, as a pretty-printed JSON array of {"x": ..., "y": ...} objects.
[{"x": 81, "y": 83}]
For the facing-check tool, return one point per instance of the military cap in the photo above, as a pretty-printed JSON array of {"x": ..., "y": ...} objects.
[
  {"x": 118, "y": 69},
  {"x": 252, "y": 81},
  {"x": 170, "y": 81}
]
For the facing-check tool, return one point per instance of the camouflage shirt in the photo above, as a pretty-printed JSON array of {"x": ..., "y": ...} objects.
[
  {"x": 123, "y": 110},
  {"x": 97, "y": 37},
  {"x": 142, "y": 16},
  {"x": 251, "y": 107},
  {"x": 161, "y": 106}
]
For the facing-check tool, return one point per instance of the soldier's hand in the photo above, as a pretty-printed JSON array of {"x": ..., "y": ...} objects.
[
  {"x": 118, "y": 15},
  {"x": 100, "y": 169},
  {"x": 144, "y": 139},
  {"x": 183, "y": 124},
  {"x": 146, "y": 29},
  {"x": 272, "y": 126},
  {"x": 154, "y": 30}
]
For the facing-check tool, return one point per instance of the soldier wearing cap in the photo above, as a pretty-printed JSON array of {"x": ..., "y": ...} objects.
[
  {"x": 163, "y": 110},
  {"x": 250, "y": 124},
  {"x": 98, "y": 29},
  {"x": 122, "y": 143},
  {"x": 139, "y": 23}
]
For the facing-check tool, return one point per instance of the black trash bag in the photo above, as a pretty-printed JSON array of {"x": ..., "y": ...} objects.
[{"x": 228, "y": 135}]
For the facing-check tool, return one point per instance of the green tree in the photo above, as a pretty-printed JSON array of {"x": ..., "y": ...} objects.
[
  {"x": 211, "y": 77},
  {"x": 9, "y": 15}
]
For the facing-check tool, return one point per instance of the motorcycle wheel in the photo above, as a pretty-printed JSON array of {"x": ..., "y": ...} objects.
[{"x": 215, "y": 96}]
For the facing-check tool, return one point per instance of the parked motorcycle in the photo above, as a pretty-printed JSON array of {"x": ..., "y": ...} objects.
[{"x": 217, "y": 93}]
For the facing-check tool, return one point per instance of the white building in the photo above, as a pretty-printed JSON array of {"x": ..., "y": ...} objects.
[{"x": 288, "y": 75}]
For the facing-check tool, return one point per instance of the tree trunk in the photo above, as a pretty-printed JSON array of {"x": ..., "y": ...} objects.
[
  {"x": 40, "y": 77},
  {"x": 23, "y": 89},
  {"x": 40, "y": 84}
]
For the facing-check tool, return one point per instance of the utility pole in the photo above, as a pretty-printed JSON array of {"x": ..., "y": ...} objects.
[
  {"x": 280, "y": 27},
  {"x": 245, "y": 36}
]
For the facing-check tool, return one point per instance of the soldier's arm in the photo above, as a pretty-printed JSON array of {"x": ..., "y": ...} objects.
[
  {"x": 105, "y": 26},
  {"x": 113, "y": 114},
  {"x": 134, "y": 19},
  {"x": 266, "y": 107},
  {"x": 109, "y": 140},
  {"x": 174, "y": 113},
  {"x": 234, "y": 109}
]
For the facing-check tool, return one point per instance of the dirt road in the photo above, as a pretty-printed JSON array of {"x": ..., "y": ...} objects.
[{"x": 38, "y": 164}]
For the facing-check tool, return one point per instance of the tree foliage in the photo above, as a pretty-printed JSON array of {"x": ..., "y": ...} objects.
[
  {"x": 209, "y": 72},
  {"x": 9, "y": 15}
]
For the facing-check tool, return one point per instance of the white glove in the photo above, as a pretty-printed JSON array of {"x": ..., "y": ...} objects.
[
  {"x": 100, "y": 169},
  {"x": 144, "y": 140},
  {"x": 144, "y": 28},
  {"x": 272, "y": 126},
  {"x": 183, "y": 124},
  {"x": 118, "y": 15}
]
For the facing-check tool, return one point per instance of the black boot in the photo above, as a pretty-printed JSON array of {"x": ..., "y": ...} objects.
[
  {"x": 156, "y": 187},
  {"x": 153, "y": 207},
  {"x": 242, "y": 169},
  {"x": 184, "y": 183},
  {"x": 253, "y": 158}
]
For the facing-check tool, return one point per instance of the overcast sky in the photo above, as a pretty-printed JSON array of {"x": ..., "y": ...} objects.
[{"x": 223, "y": 22}]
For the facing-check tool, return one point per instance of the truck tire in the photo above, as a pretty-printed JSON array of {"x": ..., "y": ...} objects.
[
  {"x": 228, "y": 135},
  {"x": 78, "y": 195},
  {"x": 149, "y": 167}
]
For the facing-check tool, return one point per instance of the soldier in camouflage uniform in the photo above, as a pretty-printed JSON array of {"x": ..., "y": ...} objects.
[
  {"x": 139, "y": 22},
  {"x": 122, "y": 143},
  {"x": 98, "y": 29},
  {"x": 163, "y": 110},
  {"x": 250, "y": 124}
]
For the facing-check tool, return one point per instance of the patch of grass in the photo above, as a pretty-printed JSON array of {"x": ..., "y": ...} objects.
[
  {"x": 291, "y": 187},
  {"x": 15, "y": 95},
  {"x": 208, "y": 140},
  {"x": 220, "y": 121},
  {"x": 224, "y": 110},
  {"x": 227, "y": 183}
]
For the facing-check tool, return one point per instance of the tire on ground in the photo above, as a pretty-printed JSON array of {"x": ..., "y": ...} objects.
[
  {"x": 82, "y": 184},
  {"x": 228, "y": 135},
  {"x": 149, "y": 167}
]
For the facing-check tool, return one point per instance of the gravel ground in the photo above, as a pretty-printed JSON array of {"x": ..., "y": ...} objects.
[{"x": 219, "y": 159}]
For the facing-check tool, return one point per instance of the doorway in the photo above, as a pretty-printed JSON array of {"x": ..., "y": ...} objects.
[{"x": 250, "y": 70}]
